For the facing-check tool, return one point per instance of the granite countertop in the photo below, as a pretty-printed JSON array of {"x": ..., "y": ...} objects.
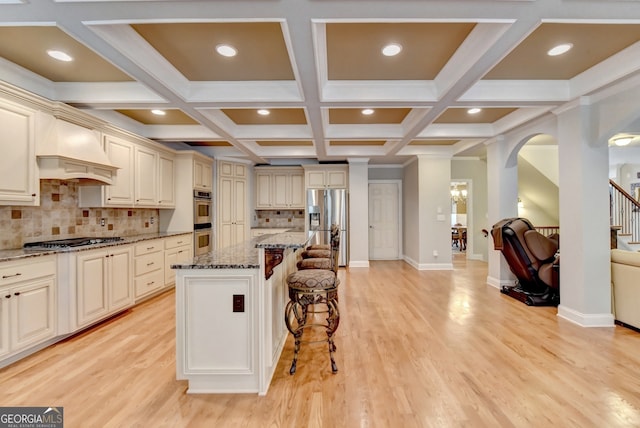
[
  {"x": 245, "y": 255},
  {"x": 21, "y": 253}
]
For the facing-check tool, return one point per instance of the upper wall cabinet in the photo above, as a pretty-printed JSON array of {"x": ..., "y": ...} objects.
[
  {"x": 145, "y": 178},
  {"x": 326, "y": 176},
  {"x": 18, "y": 169},
  {"x": 166, "y": 180},
  {"x": 202, "y": 175},
  {"x": 279, "y": 188}
]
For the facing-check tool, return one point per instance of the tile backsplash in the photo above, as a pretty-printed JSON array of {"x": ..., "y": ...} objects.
[
  {"x": 280, "y": 218},
  {"x": 59, "y": 217}
]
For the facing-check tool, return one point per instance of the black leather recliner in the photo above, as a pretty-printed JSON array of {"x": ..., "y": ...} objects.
[{"x": 533, "y": 258}]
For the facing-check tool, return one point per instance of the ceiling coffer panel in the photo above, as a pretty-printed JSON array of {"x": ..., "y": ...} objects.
[
  {"x": 354, "y": 50},
  {"x": 190, "y": 48}
]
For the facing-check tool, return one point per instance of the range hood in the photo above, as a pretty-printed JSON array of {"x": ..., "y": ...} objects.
[{"x": 67, "y": 151}]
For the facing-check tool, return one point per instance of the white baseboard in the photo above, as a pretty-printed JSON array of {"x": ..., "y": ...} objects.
[
  {"x": 586, "y": 320},
  {"x": 428, "y": 266},
  {"x": 358, "y": 264},
  {"x": 497, "y": 283}
]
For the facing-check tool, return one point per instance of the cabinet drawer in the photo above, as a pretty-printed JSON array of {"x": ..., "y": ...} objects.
[
  {"x": 177, "y": 241},
  {"x": 148, "y": 263},
  {"x": 148, "y": 247},
  {"x": 27, "y": 269},
  {"x": 148, "y": 283}
]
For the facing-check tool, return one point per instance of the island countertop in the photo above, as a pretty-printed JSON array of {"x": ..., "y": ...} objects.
[{"x": 246, "y": 254}]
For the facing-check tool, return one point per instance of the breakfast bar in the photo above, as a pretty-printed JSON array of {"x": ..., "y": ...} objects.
[{"x": 230, "y": 303}]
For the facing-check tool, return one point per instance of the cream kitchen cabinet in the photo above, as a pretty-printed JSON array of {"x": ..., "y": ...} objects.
[
  {"x": 202, "y": 175},
  {"x": 325, "y": 177},
  {"x": 166, "y": 181},
  {"x": 122, "y": 192},
  {"x": 27, "y": 304},
  {"x": 232, "y": 203},
  {"x": 176, "y": 249},
  {"x": 148, "y": 267},
  {"x": 19, "y": 184},
  {"x": 122, "y": 154},
  {"x": 280, "y": 188},
  {"x": 103, "y": 283},
  {"x": 145, "y": 178}
]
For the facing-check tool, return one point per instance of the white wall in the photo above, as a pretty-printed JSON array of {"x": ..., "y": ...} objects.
[
  {"x": 410, "y": 213},
  {"x": 474, "y": 171}
]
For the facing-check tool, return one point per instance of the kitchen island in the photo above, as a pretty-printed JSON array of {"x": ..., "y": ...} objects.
[{"x": 230, "y": 303}]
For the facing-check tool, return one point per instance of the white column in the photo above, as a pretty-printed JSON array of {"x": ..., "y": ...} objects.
[
  {"x": 434, "y": 184},
  {"x": 502, "y": 195},
  {"x": 358, "y": 212},
  {"x": 585, "y": 268}
]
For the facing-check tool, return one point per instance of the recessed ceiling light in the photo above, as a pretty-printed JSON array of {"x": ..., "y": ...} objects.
[
  {"x": 622, "y": 141},
  {"x": 560, "y": 49},
  {"x": 368, "y": 111},
  {"x": 59, "y": 55},
  {"x": 226, "y": 50},
  {"x": 159, "y": 112},
  {"x": 391, "y": 49},
  {"x": 474, "y": 110},
  {"x": 263, "y": 112}
]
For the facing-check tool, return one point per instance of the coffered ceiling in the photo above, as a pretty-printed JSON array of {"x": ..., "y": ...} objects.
[{"x": 315, "y": 65}]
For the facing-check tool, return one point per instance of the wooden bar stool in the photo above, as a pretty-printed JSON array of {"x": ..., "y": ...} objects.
[{"x": 311, "y": 292}]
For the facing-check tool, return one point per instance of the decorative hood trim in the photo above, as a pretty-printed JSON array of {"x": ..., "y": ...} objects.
[{"x": 71, "y": 152}]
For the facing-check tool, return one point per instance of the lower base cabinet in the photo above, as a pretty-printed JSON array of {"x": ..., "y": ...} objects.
[
  {"x": 148, "y": 267},
  {"x": 28, "y": 304},
  {"x": 103, "y": 283},
  {"x": 176, "y": 249}
]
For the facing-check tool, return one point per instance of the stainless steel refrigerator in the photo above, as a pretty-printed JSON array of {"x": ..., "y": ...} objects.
[{"x": 324, "y": 208}]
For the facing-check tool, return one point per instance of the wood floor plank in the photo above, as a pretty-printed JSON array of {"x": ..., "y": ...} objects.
[{"x": 414, "y": 349}]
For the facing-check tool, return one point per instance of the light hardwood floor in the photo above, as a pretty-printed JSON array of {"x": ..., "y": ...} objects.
[{"x": 415, "y": 349}]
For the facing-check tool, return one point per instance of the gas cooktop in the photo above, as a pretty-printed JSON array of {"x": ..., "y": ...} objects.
[{"x": 71, "y": 242}]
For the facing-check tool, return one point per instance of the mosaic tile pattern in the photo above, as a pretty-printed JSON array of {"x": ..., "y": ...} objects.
[
  {"x": 59, "y": 217},
  {"x": 293, "y": 219}
]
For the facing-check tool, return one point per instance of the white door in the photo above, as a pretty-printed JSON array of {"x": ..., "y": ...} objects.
[{"x": 384, "y": 221}]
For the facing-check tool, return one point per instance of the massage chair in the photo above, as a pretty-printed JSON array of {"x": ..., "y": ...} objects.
[{"x": 533, "y": 258}]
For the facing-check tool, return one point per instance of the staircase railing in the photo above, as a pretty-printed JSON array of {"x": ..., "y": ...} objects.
[
  {"x": 548, "y": 230},
  {"x": 624, "y": 212}
]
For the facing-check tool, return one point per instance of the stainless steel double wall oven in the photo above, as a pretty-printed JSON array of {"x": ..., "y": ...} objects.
[{"x": 202, "y": 222}]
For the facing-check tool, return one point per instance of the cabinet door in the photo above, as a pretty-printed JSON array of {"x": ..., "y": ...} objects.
[
  {"x": 281, "y": 191},
  {"x": 32, "y": 310},
  {"x": 225, "y": 212},
  {"x": 121, "y": 154},
  {"x": 207, "y": 176},
  {"x": 336, "y": 179},
  {"x": 166, "y": 181},
  {"x": 263, "y": 190},
  {"x": 173, "y": 256},
  {"x": 202, "y": 175},
  {"x": 239, "y": 200},
  {"x": 91, "y": 282},
  {"x": 225, "y": 169},
  {"x": 146, "y": 176},
  {"x": 120, "y": 275},
  {"x": 297, "y": 193},
  {"x": 18, "y": 183},
  {"x": 4, "y": 321},
  {"x": 315, "y": 179},
  {"x": 239, "y": 170}
]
